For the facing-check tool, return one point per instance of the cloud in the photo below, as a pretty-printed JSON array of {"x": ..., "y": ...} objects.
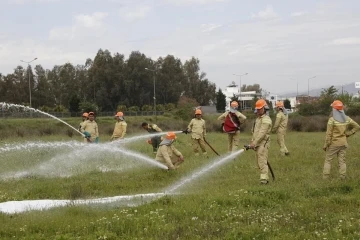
[
  {"x": 346, "y": 41},
  {"x": 266, "y": 14},
  {"x": 210, "y": 27},
  {"x": 134, "y": 13},
  {"x": 298, "y": 14},
  {"x": 30, "y": 1},
  {"x": 194, "y": 2},
  {"x": 89, "y": 21}
]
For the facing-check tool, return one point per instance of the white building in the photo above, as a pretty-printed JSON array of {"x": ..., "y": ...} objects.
[{"x": 244, "y": 98}]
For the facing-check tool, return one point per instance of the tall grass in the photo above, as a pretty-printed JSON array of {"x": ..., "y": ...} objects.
[{"x": 227, "y": 203}]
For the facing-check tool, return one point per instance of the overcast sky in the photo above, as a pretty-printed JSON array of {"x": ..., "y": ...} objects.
[{"x": 280, "y": 43}]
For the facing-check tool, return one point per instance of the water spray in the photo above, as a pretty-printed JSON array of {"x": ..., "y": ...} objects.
[{"x": 8, "y": 105}]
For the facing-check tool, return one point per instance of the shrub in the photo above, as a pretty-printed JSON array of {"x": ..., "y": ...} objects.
[
  {"x": 133, "y": 109},
  {"x": 121, "y": 108},
  {"x": 147, "y": 108},
  {"x": 169, "y": 107},
  {"x": 160, "y": 107}
]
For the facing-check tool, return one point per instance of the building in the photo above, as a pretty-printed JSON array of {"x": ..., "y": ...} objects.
[{"x": 244, "y": 98}]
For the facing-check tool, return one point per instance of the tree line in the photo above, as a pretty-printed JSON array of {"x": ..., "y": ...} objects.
[{"x": 107, "y": 82}]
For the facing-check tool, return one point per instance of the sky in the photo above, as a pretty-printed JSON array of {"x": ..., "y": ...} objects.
[{"x": 279, "y": 43}]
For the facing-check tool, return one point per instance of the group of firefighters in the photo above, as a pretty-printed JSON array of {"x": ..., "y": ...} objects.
[{"x": 339, "y": 128}]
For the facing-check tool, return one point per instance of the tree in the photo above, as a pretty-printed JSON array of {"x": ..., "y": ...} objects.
[
  {"x": 220, "y": 100},
  {"x": 287, "y": 104},
  {"x": 255, "y": 87}
]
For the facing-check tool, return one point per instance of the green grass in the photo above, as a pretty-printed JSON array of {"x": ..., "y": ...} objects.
[{"x": 226, "y": 203}]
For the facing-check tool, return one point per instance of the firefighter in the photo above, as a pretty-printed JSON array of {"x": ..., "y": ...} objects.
[
  {"x": 120, "y": 127},
  {"x": 152, "y": 129},
  {"x": 339, "y": 128},
  {"x": 197, "y": 128},
  {"x": 231, "y": 125},
  {"x": 168, "y": 154},
  {"x": 84, "y": 118},
  {"x": 280, "y": 127},
  {"x": 261, "y": 139},
  {"x": 90, "y": 129}
]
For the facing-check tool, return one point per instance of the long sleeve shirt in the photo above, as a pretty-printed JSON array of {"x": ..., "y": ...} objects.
[
  {"x": 197, "y": 128},
  {"x": 280, "y": 122},
  {"x": 337, "y": 132},
  {"x": 90, "y": 127},
  {"x": 262, "y": 129},
  {"x": 119, "y": 130}
]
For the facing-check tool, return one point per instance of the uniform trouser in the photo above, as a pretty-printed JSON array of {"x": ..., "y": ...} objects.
[
  {"x": 198, "y": 143},
  {"x": 262, "y": 157},
  {"x": 155, "y": 141},
  {"x": 281, "y": 142},
  {"x": 331, "y": 153},
  {"x": 233, "y": 141},
  {"x": 173, "y": 163}
]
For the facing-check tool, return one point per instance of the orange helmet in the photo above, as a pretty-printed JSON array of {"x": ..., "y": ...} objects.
[
  {"x": 198, "y": 112},
  {"x": 280, "y": 104},
  {"x": 119, "y": 114},
  {"x": 338, "y": 105},
  {"x": 85, "y": 114},
  {"x": 260, "y": 104},
  {"x": 170, "y": 136},
  {"x": 234, "y": 104}
]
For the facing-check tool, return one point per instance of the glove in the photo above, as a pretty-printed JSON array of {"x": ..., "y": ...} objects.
[
  {"x": 97, "y": 140},
  {"x": 186, "y": 131},
  {"x": 149, "y": 141},
  {"x": 181, "y": 158},
  {"x": 87, "y": 134}
]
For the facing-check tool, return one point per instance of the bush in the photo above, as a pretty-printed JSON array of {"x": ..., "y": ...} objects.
[
  {"x": 133, "y": 109},
  {"x": 121, "y": 108},
  {"x": 160, "y": 107},
  {"x": 88, "y": 107},
  {"x": 169, "y": 107},
  {"x": 60, "y": 108},
  {"x": 146, "y": 108}
]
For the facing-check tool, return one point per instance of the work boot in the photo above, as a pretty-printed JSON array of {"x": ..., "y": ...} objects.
[
  {"x": 342, "y": 177},
  {"x": 287, "y": 154},
  {"x": 264, "y": 181},
  {"x": 326, "y": 176},
  {"x": 197, "y": 154}
]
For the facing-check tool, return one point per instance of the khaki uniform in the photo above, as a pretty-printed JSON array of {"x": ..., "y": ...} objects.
[
  {"x": 92, "y": 128},
  {"x": 119, "y": 130},
  {"x": 233, "y": 138},
  {"x": 169, "y": 155},
  {"x": 280, "y": 127},
  {"x": 81, "y": 124},
  {"x": 198, "y": 132},
  {"x": 261, "y": 140},
  {"x": 336, "y": 143}
]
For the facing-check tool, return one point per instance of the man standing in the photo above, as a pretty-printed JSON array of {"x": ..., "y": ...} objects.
[
  {"x": 168, "y": 154},
  {"x": 261, "y": 139},
  {"x": 339, "y": 128},
  {"x": 84, "y": 118},
  {"x": 281, "y": 126},
  {"x": 197, "y": 128},
  {"x": 120, "y": 127},
  {"x": 232, "y": 120},
  {"x": 90, "y": 129}
]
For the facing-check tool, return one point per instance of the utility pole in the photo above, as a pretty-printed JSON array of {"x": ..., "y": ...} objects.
[
  {"x": 29, "y": 76},
  {"x": 154, "y": 72}
]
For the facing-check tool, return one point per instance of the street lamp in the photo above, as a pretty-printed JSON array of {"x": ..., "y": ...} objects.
[
  {"x": 154, "y": 71},
  {"x": 240, "y": 75},
  {"x": 29, "y": 76},
  {"x": 309, "y": 85}
]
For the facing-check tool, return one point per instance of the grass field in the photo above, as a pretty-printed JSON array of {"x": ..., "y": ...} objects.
[{"x": 226, "y": 203}]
